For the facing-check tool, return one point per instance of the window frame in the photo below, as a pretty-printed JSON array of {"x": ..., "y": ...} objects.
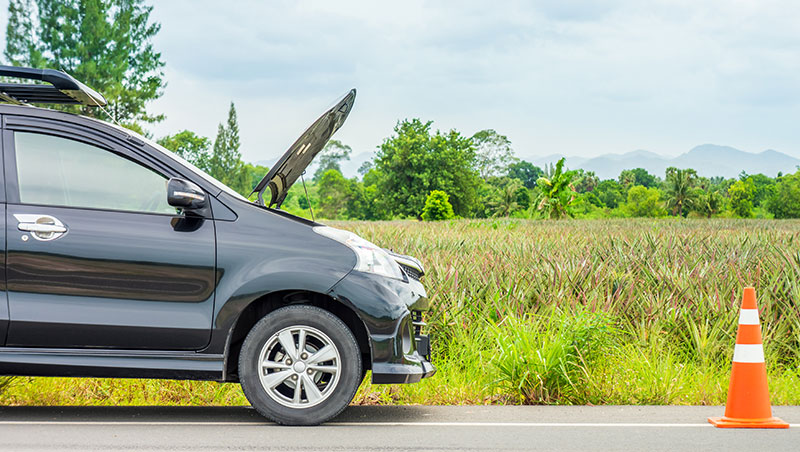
[{"x": 78, "y": 134}]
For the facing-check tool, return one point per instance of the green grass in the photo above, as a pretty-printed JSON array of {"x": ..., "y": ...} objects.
[{"x": 564, "y": 312}]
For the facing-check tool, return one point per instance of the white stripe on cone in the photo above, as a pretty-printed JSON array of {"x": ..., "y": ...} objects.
[
  {"x": 748, "y": 353},
  {"x": 748, "y": 317}
]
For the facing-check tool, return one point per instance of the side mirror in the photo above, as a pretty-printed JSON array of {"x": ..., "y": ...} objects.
[{"x": 184, "y": 194}]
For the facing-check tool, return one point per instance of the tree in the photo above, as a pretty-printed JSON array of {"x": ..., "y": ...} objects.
[
  {"x": 254, "y": 175},
  {"x": 523, "y": 196},
  {"x": 437, "y": 207},
  {"x": 586, "y": 181},
  {"x": 106, "y": 44},
  {"x": 763, "y": 187},
  {"x": 367, "y": 202},
  {"x": 741, "y": 194},
  {"x": 504, "y": 200},
  {"x": 494, "y": 153},
  {"x": 708, "y": 203},
  {"x": 785, "y": 202},
  {"x": 610, "y": 193},
  {"x": 225, "y": 162},
  {"x": 334, "y": 192},
  {"x": 557, "y": 193},
  {"x": 644, "y": 202},
  {"x": 192, "y": 147},
  {"x": 637, "y": 176},
  {"x": 526, "y": 172},
  {"x": 680, "y": 190},
  {"x": 330, "y": 156},
  {"x": 413, "y": 162}
]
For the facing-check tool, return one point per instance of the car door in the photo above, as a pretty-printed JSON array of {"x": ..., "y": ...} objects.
[{"x": 95, "y": 255}]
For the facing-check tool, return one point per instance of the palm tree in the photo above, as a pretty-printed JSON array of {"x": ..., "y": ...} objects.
[
  {"x": 680, "y": 189},
  {"x": 557, "y": 192},
  {"x": 709, "y": 203},
  {"x": 505, "y": 200}
]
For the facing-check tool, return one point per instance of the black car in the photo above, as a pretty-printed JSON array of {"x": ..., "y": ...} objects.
[{"x": 124, "y": 260}]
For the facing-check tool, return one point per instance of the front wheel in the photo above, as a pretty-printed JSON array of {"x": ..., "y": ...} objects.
[{"x": 300, "y": 365}]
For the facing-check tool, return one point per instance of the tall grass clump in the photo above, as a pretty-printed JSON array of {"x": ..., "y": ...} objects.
[{"x": 547, "y": 359}]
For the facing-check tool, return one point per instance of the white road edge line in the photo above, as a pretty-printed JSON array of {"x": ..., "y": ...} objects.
[{"x": 375, "y": 424}]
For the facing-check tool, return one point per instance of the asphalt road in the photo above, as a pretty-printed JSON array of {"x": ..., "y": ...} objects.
[{"x": 416, "y": 428}]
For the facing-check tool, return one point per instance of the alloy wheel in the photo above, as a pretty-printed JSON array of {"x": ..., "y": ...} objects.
[{"x": 299, "y": 366}]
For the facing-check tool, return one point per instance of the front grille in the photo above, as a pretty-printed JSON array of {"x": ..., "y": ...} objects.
[{"x": 411, "y": 272}]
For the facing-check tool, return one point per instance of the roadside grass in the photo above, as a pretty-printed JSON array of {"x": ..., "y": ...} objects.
[
  {"x": 557, "y": 312},
  {"x": 548, "y": 359},
  {"x": 119, "y": 392}
]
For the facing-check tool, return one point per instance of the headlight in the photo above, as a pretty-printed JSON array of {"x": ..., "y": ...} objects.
[{"x": 371, "y": 258}]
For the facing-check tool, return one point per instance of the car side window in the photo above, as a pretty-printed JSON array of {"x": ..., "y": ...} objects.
[{"x": 61, "y": 172}]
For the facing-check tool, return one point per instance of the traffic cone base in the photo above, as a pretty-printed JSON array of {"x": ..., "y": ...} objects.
[{"x": 726, "y": 422}]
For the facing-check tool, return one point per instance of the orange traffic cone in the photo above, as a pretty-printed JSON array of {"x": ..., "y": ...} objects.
[{"x": 748, "y": 395}]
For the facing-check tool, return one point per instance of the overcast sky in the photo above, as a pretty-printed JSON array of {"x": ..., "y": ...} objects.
[{"x": 561, "y": 76}]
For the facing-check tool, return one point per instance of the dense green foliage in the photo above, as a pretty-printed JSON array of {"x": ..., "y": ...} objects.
[
  {"x": 414, "y": 161},
  {"x": 188, "y": 145},
  {"x": 644, "y": 202},
  {"x": 637, "y": 176},
  {"x": 785, "y": 203},
  {"x": 334, "y": 191},
  {"x": 630, "y": 311},
  {"x": 526, "y": 172},
  {"x": 104, "y": 43},
  {"x": 741, "y": 194},
  {"x": 437, "y": 207}
]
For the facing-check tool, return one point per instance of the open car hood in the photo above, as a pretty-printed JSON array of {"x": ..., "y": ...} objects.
[{"x": 294, "y": 162}]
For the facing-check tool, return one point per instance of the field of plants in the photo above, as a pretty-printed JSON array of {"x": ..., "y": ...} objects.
[{"x": 558, "y": 312}]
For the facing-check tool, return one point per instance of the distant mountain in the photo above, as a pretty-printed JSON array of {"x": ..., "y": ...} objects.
[{"x": 708, "y": 159}]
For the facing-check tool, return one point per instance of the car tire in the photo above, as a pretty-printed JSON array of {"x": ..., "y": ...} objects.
[{"x": 303, "y": 386}]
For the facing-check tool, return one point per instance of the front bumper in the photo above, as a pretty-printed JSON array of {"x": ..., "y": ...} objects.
[{"x": 391, "y": 311}]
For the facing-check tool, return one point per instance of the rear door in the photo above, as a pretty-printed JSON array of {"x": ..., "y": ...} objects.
[{"x": 96, "y": 257}]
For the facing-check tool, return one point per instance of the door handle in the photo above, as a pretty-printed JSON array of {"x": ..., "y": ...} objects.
[{"x": 41, "y": 227}]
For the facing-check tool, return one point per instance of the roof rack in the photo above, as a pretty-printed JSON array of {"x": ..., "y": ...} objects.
[{"x": 63, "y": 89}]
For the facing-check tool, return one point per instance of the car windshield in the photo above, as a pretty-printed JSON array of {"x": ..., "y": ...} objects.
[{"x": 183, "y": 162}]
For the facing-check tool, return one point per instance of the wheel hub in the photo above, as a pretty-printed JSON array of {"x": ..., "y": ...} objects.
[{"x": 299, "y": 366}]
